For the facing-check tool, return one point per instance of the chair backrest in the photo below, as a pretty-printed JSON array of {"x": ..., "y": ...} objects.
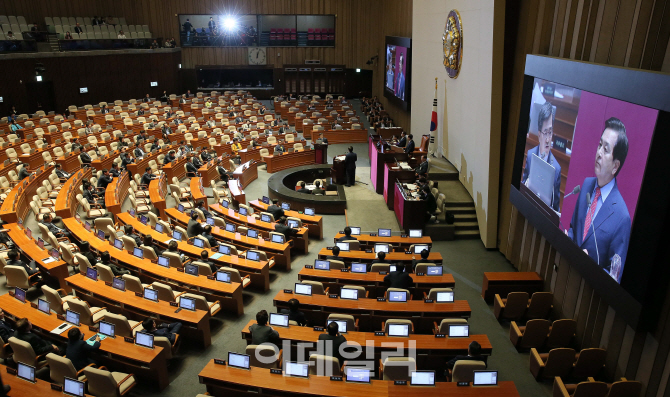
[
  {"x": 105, "y": 273},
  {"x": 128, "y": 243},
  {"x": 23, "y": 351},
  {"x": 317, "y": 287},
  {"x": 263, "y": 356},
  {"x": 380, "y": 267},
  {"x": 464, "y": 370},
  {"x": 54, "y": 299},
  {"x": 59, "y": 368},
  {"x": 165, "y": 292},
  {"x": 589, "y": 363},
  {"x": 17, "y": 277},
  {"x": 81, "y": 307},
  {"x": 322, "y": 365},
  {"x": 540, "y": 305},
  {"x": 121, "y": 324},
  {"x": 625, "y": 388},
  {"x": 203, "y": 268},
  {"x": 432, "y": 294},
  {"x": 590, "y": 389},
  {"x": 336, "y": 265},
  {"x": 175, "y": 259},
  {"x": 443, "y": 328},
  {"x": 516, "y": 304},
  {"x": 149, "y": 252},
  {"x": 535, "y": 333},
  {"x": 559, "y": 362},
  {"x": 133, "y": 283},
  {"x": 101, "y": 382},
  {"x": 561, "y": 333},
  {"x": 397, "y": 290},
  {"x": 398, "y": 368}
]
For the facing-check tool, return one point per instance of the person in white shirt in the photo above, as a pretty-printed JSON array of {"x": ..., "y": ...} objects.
[{"x": 121, "y": 35}]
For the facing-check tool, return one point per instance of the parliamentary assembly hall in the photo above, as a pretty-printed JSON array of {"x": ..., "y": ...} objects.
[{"x": 382, "y": 198}]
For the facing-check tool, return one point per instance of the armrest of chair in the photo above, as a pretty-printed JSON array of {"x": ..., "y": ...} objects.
[
  {"x": 425, "y": 295},
  {"x": 133, "y": 327},
  {"x": 81, "y": 371},
  {"x": 178, "y": 294},
  {"x": 536, "y": 363},
  {"x": 125, "y": 379},
  {"x": 35, "y": 274},
  {"x": 326, "y": 290},
  {"x": 61, "y": 292},
  {"x": 515, "y": 334},
  {"x": 99, "y": 310},
  {"x": 559, "y": 388},
  {"x": 381, "y": 366},
  {"x": 96, "y": 206},
  {"x": 498, "y": 306}
]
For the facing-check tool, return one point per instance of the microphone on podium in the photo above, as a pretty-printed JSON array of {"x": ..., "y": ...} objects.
[{"x": 576, "y": 190}]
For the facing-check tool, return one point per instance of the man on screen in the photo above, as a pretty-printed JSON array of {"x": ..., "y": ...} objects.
[
  {"x": 389, "y": 71},
  {"x": 545, "y": 132},
  {"x": 400, "y": 84},
  {"x": 601, "y": 223}
]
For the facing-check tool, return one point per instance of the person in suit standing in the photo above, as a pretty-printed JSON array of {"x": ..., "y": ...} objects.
[
  {"x": 39, "y": 345},
  {"x": 168, "y": 330},
  {"x": 78, "y": 350},
  {"x": 350, "y": 166},
  {"x": 330, "y": 343},
  {"x": 410, "y": 144},
  {"x": 400, "y": 278},
  {"x": 6, "y": 329},
  {"x": 261, "y": 332},
  {"x": 211, "y": 24},
  {"x": 323, "y": 140},
  {"x": 403, "y": 140},
  {"x": 545, "y": 128},
  {"x": 601, "y": 222}
]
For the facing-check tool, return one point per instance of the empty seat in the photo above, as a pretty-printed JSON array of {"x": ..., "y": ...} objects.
[
  {"x": 264, "y": 356},
  {"x": 558, "y": 362},
  {"x": 533, "y": 334},
  {"x": 397, "y": 368},
  {"x": 513, "y": 307}
]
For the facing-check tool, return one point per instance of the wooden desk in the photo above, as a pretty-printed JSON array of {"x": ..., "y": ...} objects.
[
  {"x": 97, "y": 293},
  {"x": 17, "y": 204},
  {"x": 105, "y": 163},
  {"x": 502, "y": 389},
  {"x": 368, "y": 257},
  {"x": 246, "y": 173},
  {"x": 69, "y": 162},
  {"x": 343, "y": 135},
  {"x": 209, "y": 173},
  {"x": 66, "y": 202},
  {"x": 391, "y": 175},
  {"x": 411, "y": 213},
  {"x": 115, "y": 353},
  {"x": 503, "y": 283},
  {"x": 258, "y": 272},
  {"x": 380, "y": 156},
  {"x": 389, "y": 132},
  {"x": 290, "y": 160},
  {"x": 116, "y": 193},
  {"x": 301, "y": 240},
  {"x": 313, "y": 223},
  {"x": 157, "y": 193},
  {"x": 197, "y": 191},
  {"x": 371, "y": 312},
  {"x": 395, "y": 241},
  {"x": 21, "y": 387},
  {"x": 229, "y": 295},
  {"x": 237, "y": 192},
  {"x": 174, "y": 170},
  {"x": 373, "y": 282}
]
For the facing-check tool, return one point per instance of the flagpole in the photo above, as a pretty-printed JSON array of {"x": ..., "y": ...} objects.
[{"x": 433, "y": 124}]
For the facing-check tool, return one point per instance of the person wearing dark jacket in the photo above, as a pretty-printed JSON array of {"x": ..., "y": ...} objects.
[
  {"x": 149, "y": 242},
  {"x": 410, "y": 144},
  {"x": 336, "y": 254},
  {"x": 293, "y": 313},
  {"x": 125, "y": 160},
  {"x": 350, "y": 166},
  {"x": 114, "y": 171},
  {"x": 303, "y": 189},
  {"x": 431, "y": 204},
  {"x": 424, "y": 258},
  {"x": 422, "y": 169},
  {"x": 13, "y": 260},
  {"x": 78, "y": 350},
  {"x": 85, "y": 159},
  {"x": 169, "y": 331},
  {"x": 381, "y": 258},
  {"x": 191, "y": 169},
  {"x": 39, "y": 345},
  {"x": 317, "y": 189},
  {"x": 347, "y": 235},
  {"x": 6, "y": 329},
  {"x": 24, "y": 172},
  {"x": 276, "y": 211},
  {"x": 283, "y": 228},
  {"x": 200, "y": 205},
  {"x": 85, "y": 250},
  {"x": 60, "y": 173},
  {"x": 403, "y": 140},
  {"x": 130, "y": 232},
  {"x": 261, "y": 332},
  {"x": 331, "y": 343},
  {"x": 474, "y": 353},
  {"x": 194, "y": 227},
  {"x": 104, "y": 180},
  {"x": 105, "y": 259},
  {"x": 399, "y": 278},
  {"x": 207, "y": 233},
  {"x": 169, "y": 158},
  {"x": 204, "y": 258},
  {"x": 147, "y": 177}
]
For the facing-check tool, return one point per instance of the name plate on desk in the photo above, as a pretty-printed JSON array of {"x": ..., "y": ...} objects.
[
  {"x": 61, "y": 317},
  {"x": 329, "y": 248},
  {"x": 381, "y": 299},
  {"x": 288, "y": 291},
  {"x": 380, "y": 333},
  {"x": 373, "y": 234},
  {"x": 345, "y": 270},
  {"x": 383, "y": 273},
  {"x": 275, "y": 371},
  {"x": 139, "y": 294},
  {"x": 440, "y": 335},
  {"x": 211, "y": 277},
  {"x": 428, "y": 300},
  {"x": 56, "y": 387},
  {"x": 421, "y": 274},
  {"x": 408, "y": 252},
  {"x": 33, "y": 305},
  {"x": 175, "y": 304},
  {"x": 318, "y": 329},
  {"x": 400, "y": 382},
  {"x": 462, "y": 383},
  {"x": 333, "y": 296},
  {"x": 368, "y": 251},
  {"x": 128, "y": 339},
  {"x": 336, "y": 378},
  {"x": 219, "y": 362},
  {"x": 403, "y": 235},
  {"x": 93, "y": 329},
  {"x": 107, "y": 283},
  {"x": 180, "y": 270},
  {"x": 309, "y": 267},
  {"x": 11, "y": 371}
]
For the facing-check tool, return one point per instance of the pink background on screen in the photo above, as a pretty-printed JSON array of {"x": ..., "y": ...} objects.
[{"x": 594, "y": 110}]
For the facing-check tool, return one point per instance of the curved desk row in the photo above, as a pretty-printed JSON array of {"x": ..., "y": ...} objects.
[
  {"x": 368, "y": 257},
  {"x": 396, "y": 241},
  {"x": 17, "y": 204},
  {"x": 290, "y": 160},
  {"x": 116, "y": 193},
  {"x": 66, "y": 202},
  {"x": 313, "y": 222}
]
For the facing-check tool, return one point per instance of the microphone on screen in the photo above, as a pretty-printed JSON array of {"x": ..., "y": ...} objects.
[{"x": 576, "y": 190}]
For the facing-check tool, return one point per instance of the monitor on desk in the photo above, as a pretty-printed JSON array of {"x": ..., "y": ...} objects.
[
  {"x": 224, "y": 249},
  {"x": 99, "y": 233},
  {"x": 321, "y": 264},
  {"x": 55, "y": 254},
  {"x": 420, "y": 247},
  {"x": 349, "y": 293},
  {"x": 144, "y": 339},
  {"x": 384, "y": 232},
  {"x": 131, "y": 212},
  {"x": 191, "y": 269},
  {"x": 230, "y": 227},
  {"x": 20, "y": 294},
  {"x": 25, "y": 372},
  {"x": 223, "y": 276},
  {"x": 163, "y": 261},
  {"x": 280, "y": 320},
  {"x": 187, "y": 303},
  {"x": 253, "y": 256},
  {"x": 176, "y": 235},
  {"x": 381, "y": 248},
  {"x": 159, "y": 228},
  {"x": 265, "y": 200},
  {"x": 434, "y": 270},
  {"x": 359, "y": 268},
  {"x": 72, "y": 317},
  {"x": 243, "y": 211},
  {"x": 266, "y": 218},
  {"x": 292, "y": 224},
  {"x": 415, "y": 233},
  {"x": 300, "y": 370},
  {"x": 151, "y": 294},
  {"x": 92, "y": 274},
  {"x": 393, "y": 268},
  {"x": 310, "y": 211},
  {"x": 198, "y": 242},
  {"x": 144, "y": 220},
  {"x": 397, "y": 296},
  {"x": 459, "y": 330},
  {"x": 278, "y": 238},
  {"x": 422, "y": 378},
  {"x": 180, "y": 208},
  {"x": 43, "y": 306},
  {"x": 285, "y": 206},
  {"x": 445, "y": 297},
  {"x": 239, "y": 360},
  {"x": 398, "y": 330},
  {"x": 485, "y": 378},
  {"x": 106, "y": 328},
  {"x": 73, "y": 387},
  {"x": 87, "y": 226},
  {"x": 303, "y": 289},
  {"x": 252, "y": 233},
  {"x": 138, "y": 252},
  {"x": 29, "y": 232},
  {"x": 210, "y": 221},
  {"x": 224, "y": 203},
  {"x": 358, "y": 375},
  {"x": 355, "y": 230},
  {"x": 342, "y": 246},
  {"x": 118, "y": 244}
]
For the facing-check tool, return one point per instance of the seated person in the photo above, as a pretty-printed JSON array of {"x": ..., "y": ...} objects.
[
  {"x": 130, "y": 232},
  {"x": 85, "y": 250},
  {"x": 173, "y": 247},
  {"x": 39, "y": 345},
  {"x": 6, "y": 329},
  {"x": 78, "y": 350},
  {"x": 322, "y": 139},
  {"x": 424, "y": 258},
  {"x": 169, "y": 331},
  {"x": 293, "y": 313},
  {"x": 336, "y": 254},
  {"x": 194, "y": 227},
  {"x": 191, "y": 168},
  {"x": 85, "y": 159},
  {"x": 13, "y": 260},
  {"x": 474, "y": 353},
  {"x": 147, "y": 177},
  {"x": 318, "y": 189},
  {"x": 114, "y": 171},
  {"x": 400, "y": 278},
  {"x": 169, "y": 158},
  {"x": 106, "y": 260},
  {"x": 276, "y": 211},
  {"x": 204, "y": 258},
  {"x": 422, "y": 169},
  {"x": 207, "y": 233},
  {"x": 381, "y": 258},
  {"x": 431, "y": 205},
  {"x": 347, "y": 235},
  {"x": 279, "y": 149},
  {"x": 330, "y": 344},
  {"x": 303, "y": 189},
  {"x": 283, "y": 228},
  {"x": 200, "y": 205},
  {"x": 104, "y": 180},
  {"x": 149, "y": 242},
  {"x": 47, "y": 221},
  {"x": 60, "y": 173},
  {"x": 261, "y": 332}
]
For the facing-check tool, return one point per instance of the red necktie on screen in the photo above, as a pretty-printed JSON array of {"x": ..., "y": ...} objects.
[{"x": 590, "y": 214}]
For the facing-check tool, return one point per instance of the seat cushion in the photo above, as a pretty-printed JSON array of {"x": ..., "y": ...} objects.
[
  {"x": 143, "y": 208},
  {"x": 99, "y": 315},
  {"x": 142, "y": 194},
  {"x": 245, "y": 282},
  {"x": 214, "y": 308},
  {"x": 118, "y": 377},
  {"x": 96, "y": 213}
]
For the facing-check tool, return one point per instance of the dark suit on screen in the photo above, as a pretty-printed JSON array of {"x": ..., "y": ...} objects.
[{"x": 554, "y": 163}]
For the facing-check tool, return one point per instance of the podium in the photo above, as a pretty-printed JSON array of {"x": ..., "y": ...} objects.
[
  {"x": 338, "y": 172},
  {"x": 321, "y": 153}
]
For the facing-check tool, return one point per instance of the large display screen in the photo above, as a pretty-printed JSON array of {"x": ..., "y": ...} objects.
[{"x": 397, "y": 75}]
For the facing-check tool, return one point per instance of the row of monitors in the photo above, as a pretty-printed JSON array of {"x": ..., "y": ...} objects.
[
  {"x": 71, "y": 387},
  {"x": 357, "y": 267},
  {"x": 362, "y": 374},
  {"x": 383, "y": 247},
  {"x": 413, "y": 233},
  {"x": 393, "y": 296},
  {"x": 286, "y": 206}
]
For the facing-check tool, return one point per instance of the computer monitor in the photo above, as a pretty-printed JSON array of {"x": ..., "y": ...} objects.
[
  {"x": 358, "y": 375},
  {"x": 198, "y": 242},
  {"x": 485, "y": 378},
  {"x": 144, "y": 219},
  {"x": 224, "y": 204},
  {"x": 420, "y": 247},
  {"x": 398, "y": 330},
  {"x": 176, "y": 235},
  {"x": 73, "y": 387},
  {"x": 72, "y": 317},
  {"x": 285, "y": 206},
  {"x": 445, "y": 297},
  {"x": 359, "y": 268},
  {"x": 266, "y": 200},
  {"x": 40, "y": 242},
  {"x": 131, "y": 212},
  {"x": 87, "y": 226},
  {"x": 393, "y": 268},
  {"x": 138, "y": 252},
  {"x": 92, "y": 274},
  {"x": 292, "y": 224},
  {"x": 106, "y": 328},
  {"x": 144, "y": 339},
  {"x": 422, "y": 378},
  {"x": 163, "y": 261},
  {"x": 349, "y": 293},
  {"x": 355, "y": 230},
  {"x": 25, "y": 372},
  {"x": 55, "y": 254},
  {"x": 415, "y": 233},
  {"x": 280, "y": 320},
  {"x": 296, "y": 369},
  {"x": 187, "y": 303},
  {"x": 119, "y": 283},
  {"x": 118, "y": 244},
  {"x": 238, "y": 360},
  {"x": 309, "y": 211},
  {"x": 150, "y": 294},
  {"x": 434, "y": 271},
  {"x": 384, "y": 232},
  {"x": 303, "y": 289},
  {"x": 278, "y": 238},
  {"x": 342, "y": 246},
  {"x": 20, "y": 294},
  {"x": 253, "y": 256},
  {"x": 252, "y": 233},
  {"x": 180, "y": 208},
  {"x": 243, "y": 211},
  {"x": 191, "y": 269},
  {"x": 381, "y": 248},
  {"x": 397, "y": 296},
  {"x": 223, "y": 276},
  {"x": 29, "y": 232},
  {"x": 210, "y": 221},
  {"x": 230, "y": 227},
  {"x": 159, "y": 228},
  {"x": 224, "y": 249},
  {"x": 266, "y": 218},
  {"x": 321, "y": 265},
  {"x": 43, "y": 306},
  {"x": 459, "y": 330}
]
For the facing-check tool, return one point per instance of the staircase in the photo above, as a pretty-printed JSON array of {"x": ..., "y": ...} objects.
[
  {"x": 52, "y": 39},
  {"x": 465, "y": 220}
]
